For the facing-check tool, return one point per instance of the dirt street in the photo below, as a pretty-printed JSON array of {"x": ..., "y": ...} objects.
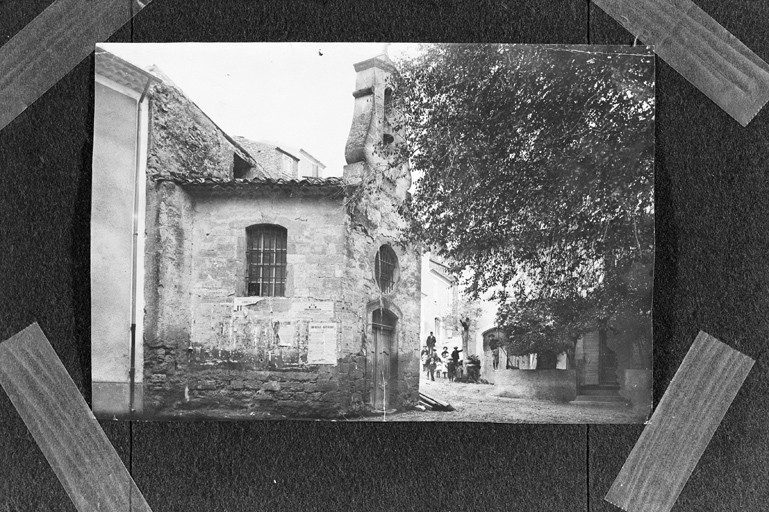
[{"x": 476, "y": 402}]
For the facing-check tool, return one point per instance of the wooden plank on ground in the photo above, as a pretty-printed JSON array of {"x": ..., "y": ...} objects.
[
  {"x": 435, "y": 403},
  {"x": 63, "y": 426},
  {"x": 681, "y": 427}
]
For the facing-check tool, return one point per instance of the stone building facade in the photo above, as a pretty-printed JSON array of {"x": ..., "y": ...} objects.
[{"x": 275, "y": 296}]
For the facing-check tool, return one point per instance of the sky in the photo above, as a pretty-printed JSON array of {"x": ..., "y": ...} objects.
[{"x": 295, "y": 94}]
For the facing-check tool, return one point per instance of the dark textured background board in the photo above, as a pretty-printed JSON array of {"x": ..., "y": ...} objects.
[
  {"x": 64, "y": 427},
  {"x": 68, "y": 32},
  {"x": 711, "y": 274},
  {"x": 698, "y": 47},
  {"x": 681, "y": 427}
]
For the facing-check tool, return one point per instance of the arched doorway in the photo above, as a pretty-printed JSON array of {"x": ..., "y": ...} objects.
[{"x": 385, "y": 367}]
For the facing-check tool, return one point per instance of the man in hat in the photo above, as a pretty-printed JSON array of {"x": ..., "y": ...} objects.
[
  {"x": 431, "y": 342},
  {"x": 455, "y": 360},
  {"x": 455, "y": 354}
]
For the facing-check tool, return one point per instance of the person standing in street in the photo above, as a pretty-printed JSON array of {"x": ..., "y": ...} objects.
[
  {"x": 445, "y": 358},
  {"x": 431, "y": 342},
  {"x": 494, "y": 346},
  {"x": 432, "y": 364},
  {"x": 424, "y": 356}
]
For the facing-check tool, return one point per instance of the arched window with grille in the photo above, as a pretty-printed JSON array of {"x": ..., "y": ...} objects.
[
  {"x": 266, "y": 260},
  {"x": 386, "y": 269}
]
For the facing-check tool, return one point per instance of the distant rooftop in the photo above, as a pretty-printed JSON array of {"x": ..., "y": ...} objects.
[{"x": 129, "y": 75}]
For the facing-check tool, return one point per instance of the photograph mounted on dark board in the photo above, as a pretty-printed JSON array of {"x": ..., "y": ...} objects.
[{"x": 476, "y": 245}]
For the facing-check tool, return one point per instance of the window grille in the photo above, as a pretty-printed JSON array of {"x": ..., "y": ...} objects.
[
  {"x": 383, "y": 320},
  {"x": 266, "y": 259},
  {"x": 385, "y": 268}
]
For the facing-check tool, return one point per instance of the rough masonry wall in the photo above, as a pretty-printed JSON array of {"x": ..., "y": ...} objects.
[
  {"x": 315, "y": 249},
  {"x": 266, "y": 356},
  {"x": 373, "y": 222},
  {"x": 183, "y": 140},
  {"x": 167, "y": 319}
]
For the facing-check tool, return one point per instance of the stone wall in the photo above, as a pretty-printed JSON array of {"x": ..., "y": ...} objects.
[
  {"x": 373, "y": 222},
  {"x": 315, "y": 228},
  {"x": 211, "y": 348},
  {"x": 223, "y": 380},
  {"x": 259, "y": 354},
  {"x": 167, "y": 291},
  {"x": 184, "y": 141},
  {"x": 556, "y": 385}
]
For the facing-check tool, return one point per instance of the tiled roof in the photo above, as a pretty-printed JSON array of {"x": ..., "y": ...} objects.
[
  {"x": 321, "y": 186},
  {"x": 253, "y": 147},
  {"x": 121, "y": 71}
]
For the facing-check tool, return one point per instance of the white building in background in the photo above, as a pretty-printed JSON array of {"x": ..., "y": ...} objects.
[
  {"x": 309, "y": 166},
  {"x": 281, "y": 160},
  {"x": 439, "y": 291}
]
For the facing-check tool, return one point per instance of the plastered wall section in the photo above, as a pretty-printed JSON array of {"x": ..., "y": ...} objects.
[{"x": 114, "y": 157}]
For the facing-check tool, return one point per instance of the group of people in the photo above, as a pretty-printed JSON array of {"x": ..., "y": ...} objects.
[{"x": 445, "y": 365}]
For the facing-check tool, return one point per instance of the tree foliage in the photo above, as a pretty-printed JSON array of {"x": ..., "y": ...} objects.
[
  {"x": 462, "y": 308},
  {"x": 534, "y": 169}
]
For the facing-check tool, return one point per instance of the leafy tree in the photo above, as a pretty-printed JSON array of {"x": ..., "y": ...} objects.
[
  {"x": 535, "y": 173},
  {"x": 463, "y": 308}
]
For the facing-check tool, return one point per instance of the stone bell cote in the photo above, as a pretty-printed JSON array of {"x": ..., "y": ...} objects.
[{"x": 371, "y": 131}]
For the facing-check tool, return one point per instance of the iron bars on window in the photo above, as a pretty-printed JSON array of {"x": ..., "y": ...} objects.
[{"x": 266, "y": 259}]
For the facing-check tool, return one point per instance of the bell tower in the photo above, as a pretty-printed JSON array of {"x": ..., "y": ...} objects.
[{"x": 371, "y": 132}]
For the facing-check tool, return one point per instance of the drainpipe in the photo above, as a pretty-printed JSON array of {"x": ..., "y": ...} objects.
[{"x": 135, "y": 245}]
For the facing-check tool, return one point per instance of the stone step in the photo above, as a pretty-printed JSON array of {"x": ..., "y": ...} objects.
[
  {"x": 600, "y": 404},
  {"x": 605, "y": 392},
  {"x": 603, "y": 400},
  {"x": 607, "y": 387}
]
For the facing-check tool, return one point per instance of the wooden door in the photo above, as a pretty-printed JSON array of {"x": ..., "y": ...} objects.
[{"x": 383, "y": 326}]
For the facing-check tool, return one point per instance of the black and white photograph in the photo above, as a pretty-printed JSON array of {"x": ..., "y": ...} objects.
[{"x": 373, "y": 232}]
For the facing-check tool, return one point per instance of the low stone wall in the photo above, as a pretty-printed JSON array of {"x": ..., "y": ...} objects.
[
  {"x": 558, "y": 385},
  {"x": 323, "y": 392},
  {"x": 636, "y": 386}
]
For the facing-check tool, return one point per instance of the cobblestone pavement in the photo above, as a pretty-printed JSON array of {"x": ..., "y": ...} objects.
[{"x": 477, "y": 402}]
